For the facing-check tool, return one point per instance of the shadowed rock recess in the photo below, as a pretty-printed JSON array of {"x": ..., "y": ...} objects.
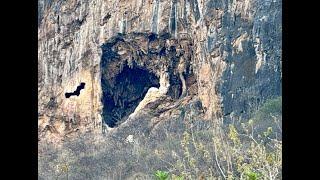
[
  {"x": 120, "y": 99},
  {"x": 133, "y": 63}
]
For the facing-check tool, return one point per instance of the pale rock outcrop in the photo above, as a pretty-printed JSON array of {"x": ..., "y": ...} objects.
[{"x": 232, "y": 51}]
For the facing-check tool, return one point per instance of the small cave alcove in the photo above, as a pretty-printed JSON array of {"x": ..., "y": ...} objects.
[
  {"x": 75, "y": 92},
  {"x": 122, "y": 97},
  {"x": 175, "y": 89}
]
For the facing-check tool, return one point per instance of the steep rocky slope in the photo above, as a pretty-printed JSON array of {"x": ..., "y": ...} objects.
[
  {"x": 144, "y": 61},
  {"x": 235, "y": 53}
]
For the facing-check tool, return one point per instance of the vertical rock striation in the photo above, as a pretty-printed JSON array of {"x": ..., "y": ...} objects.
[{"x": 235, "y": 59}]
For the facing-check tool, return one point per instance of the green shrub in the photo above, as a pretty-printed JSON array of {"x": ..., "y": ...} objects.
[
  {"x": 269, "y": 108},
  {"x": 269, "y": 115},
  {"x": 161, "y": 175},
  {"x": 251, "y": 175}
]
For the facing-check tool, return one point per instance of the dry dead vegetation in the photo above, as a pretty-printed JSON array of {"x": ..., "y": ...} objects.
[{"x": 183, "y": 147}]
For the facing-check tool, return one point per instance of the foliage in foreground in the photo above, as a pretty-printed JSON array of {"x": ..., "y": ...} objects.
[
  {"x": 161, "y": 175},
  {"x": 240, "y": 156},
  {"x": 250, "y": 151},
  {"x": 182, "y": 148}
]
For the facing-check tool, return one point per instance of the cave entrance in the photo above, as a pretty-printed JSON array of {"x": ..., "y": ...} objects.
[
  {"x": 76, "y": 92},
  {"x": 129, "y": 88}
]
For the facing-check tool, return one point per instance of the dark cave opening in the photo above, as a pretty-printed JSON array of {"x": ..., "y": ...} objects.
[
  {"x": 175, "y": 88},
  {"x": 76, "y": 92},
  {"x": 121, "y": 99}
]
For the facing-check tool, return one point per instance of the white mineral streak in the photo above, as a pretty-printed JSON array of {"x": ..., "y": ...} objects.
[
  {"x": 154, "y": 93},
  {"x": 71, "y": 32}
]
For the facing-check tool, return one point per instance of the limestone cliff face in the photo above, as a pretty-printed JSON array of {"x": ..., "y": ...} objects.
[{"x": 226, "y": 53}]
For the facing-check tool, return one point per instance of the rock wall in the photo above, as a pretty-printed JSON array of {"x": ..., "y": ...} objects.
[{"x": 235, "y": 62}]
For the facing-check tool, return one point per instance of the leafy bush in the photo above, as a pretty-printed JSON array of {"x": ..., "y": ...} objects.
[
  {"x": 269, "y": 115},
  {"x": 232, "y": 154},
  {"x": 161, "y": 175},
  {"x": 251, "y": 175},
  {"x": 269, "y": 108}
]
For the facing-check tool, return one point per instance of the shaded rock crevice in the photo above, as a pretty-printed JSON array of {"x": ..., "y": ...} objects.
[
  {"x": 135, "y": 66},
  {"x": 130, "y": 87}
]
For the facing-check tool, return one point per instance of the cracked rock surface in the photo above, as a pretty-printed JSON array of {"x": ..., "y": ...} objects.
[{"x": 144, "y": 62}]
